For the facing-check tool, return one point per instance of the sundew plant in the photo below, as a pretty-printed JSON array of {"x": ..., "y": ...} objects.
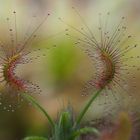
[
  {"x": 109, "y": 54},
  {"x": 15, "y": 52},
  {"x": 108, "y": 51}
]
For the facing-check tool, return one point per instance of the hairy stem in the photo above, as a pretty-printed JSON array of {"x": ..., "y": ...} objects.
[
  {"x": 84, "y": 111},
  {"x": 39, "y": 107}
]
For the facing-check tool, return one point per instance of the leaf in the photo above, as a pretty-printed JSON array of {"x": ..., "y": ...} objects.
[
  {"x": 65, "y": 121},
  {"x": 38, "y": 106},
  {"x": 84, "y": 130},
  {"x": 35, "y": 138},
  {"x": 64, "y": 127}
]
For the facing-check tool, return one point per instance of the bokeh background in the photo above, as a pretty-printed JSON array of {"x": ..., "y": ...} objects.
[{"x": 61, "y": 72}]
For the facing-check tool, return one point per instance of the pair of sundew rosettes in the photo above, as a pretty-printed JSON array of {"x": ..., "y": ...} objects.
[
  {"x": 109, "y": 53},
  {"x": 13, "y": 54}
]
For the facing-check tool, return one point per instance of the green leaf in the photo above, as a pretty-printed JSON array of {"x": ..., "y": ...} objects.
[
  {"x": 38, "y": 106},
  {"x": 85, "y": 130},
  {"x": 65, "y": 121},
  {"x": 87, "y": 106},
  {"x": 64, "y": 127},
  {"x": 35, "y": 138}
]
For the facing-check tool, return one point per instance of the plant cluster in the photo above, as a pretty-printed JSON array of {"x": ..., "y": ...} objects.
[{"x": 109, "y": 56}]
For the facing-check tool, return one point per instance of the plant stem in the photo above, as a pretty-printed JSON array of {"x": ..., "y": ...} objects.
[
  {"x": 83, "y": 112},
  {"x": 39, "y": 107}
]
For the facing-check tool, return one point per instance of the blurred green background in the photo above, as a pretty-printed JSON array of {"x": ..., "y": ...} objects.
[{"x": 61, "y": 72}]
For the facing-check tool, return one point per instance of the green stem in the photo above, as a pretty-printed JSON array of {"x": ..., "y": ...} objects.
[
  {"x": 35, "y": 104},
  {"x": 80, "y": 117}
]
